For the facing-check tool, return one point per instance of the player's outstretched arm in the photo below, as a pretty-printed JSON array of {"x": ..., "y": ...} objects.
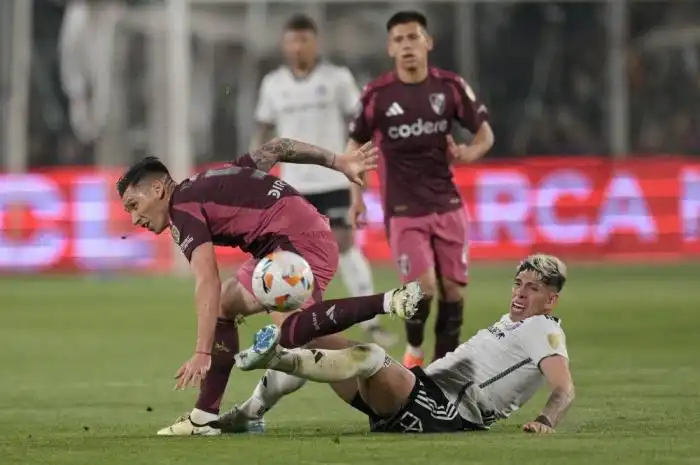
[
  {"x": 352, "y": 164},
  {"x": 207, "y": 299},
  {"x": 556, "y": 370}
]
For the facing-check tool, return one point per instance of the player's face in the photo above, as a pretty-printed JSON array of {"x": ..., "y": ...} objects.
[
  {"x": 531, "y": 296},
  {"x": 409, "y": 45},
  {"x": 148, "y": 205},
  {"x": 300, "y": 48}
]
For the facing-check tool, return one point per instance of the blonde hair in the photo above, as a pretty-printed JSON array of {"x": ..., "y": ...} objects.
[{"x": 551, "y": 269}]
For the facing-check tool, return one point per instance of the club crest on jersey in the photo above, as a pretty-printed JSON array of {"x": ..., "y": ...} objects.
[
  {"x": 175, "y": 233},
  {"x": 437, "y": 103}
]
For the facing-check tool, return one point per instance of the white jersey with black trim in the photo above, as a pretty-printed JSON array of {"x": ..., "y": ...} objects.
[
  {"x": 499, "y": 366},
  {"x": 315, "y": 110}
]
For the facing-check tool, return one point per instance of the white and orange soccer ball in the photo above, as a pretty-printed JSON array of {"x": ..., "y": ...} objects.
[{"x": 283, "y": 281}]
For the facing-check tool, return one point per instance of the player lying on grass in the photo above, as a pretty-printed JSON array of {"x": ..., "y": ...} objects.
[
  {"x": 243, "y": 206},
  {"x": 485, "y": 379}
]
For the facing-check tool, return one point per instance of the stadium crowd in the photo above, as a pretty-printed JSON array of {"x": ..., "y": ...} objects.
[{"x": 546, "y": 89}]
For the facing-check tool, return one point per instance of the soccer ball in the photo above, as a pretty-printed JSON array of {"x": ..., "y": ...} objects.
[{"x": 283, "y": 281}]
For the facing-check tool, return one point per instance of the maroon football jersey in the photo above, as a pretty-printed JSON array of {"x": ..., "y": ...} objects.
[
  {"x": 410, "y": 123},
  {"x": 240, "y": 206}
]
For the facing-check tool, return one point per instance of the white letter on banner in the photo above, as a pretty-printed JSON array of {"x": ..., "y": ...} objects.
[
  {"x": 625, "y": 210},
  {"x": 502, "y": 203},
  {"x": 42, "y": 197},
  {"x": 690, "y": 204},
  {"x": 95, "y": 248},
  {"x": 562, "y": 183}
]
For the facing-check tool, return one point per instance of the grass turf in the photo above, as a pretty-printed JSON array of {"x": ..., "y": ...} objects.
[{"x": 87, "y": 370}]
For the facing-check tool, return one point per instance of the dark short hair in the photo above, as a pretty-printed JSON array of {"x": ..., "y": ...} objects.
[
  {"x": 300, "y": 22},
  {"x": 135, "y": 173},
  {"x": 407, "y": 16}
]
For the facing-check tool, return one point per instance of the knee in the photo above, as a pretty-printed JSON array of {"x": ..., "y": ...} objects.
[
  {"x": 235, "y": 300},
  {"x": 451, "y": 291},
  {"x": 230, "y": 296},
  {"x": 428, "y": 285},
  {"x": 345, "y": 239},
  {"x": 371, "y": 359}
]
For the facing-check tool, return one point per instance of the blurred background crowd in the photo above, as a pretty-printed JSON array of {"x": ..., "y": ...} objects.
[{"x": 560, "y": 78}]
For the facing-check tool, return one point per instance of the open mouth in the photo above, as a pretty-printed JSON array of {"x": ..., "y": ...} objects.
[
  {"x": 408, "y": 56},
  {"x": 516, "y": 307}
]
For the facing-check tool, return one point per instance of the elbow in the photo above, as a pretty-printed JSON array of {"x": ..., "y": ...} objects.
[{"x": 485, "y": 136}]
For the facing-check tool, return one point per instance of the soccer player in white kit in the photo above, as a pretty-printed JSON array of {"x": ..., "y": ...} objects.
[
  {"x": 484, "y": 380},
  {"x": 312, "y": 100}
]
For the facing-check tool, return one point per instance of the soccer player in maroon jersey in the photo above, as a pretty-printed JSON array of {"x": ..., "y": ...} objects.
[
  {"x": 243, "y": 206},
  {"x": 409, "y": 113}
]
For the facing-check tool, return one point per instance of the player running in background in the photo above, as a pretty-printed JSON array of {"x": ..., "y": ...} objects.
[
  {"x": 409, "y": 114},
  {"x": 312, "y": 100},
  {"x": 243, "y": 206},
  {"x": 485, "y": 379}
]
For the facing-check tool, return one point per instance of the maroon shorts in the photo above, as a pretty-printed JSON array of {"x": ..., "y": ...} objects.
[
  {"x": 438, "y": 240},
  {"x": 319, "y": 249}
]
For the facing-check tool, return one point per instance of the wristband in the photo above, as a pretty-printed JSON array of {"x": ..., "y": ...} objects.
[{"x": 544, "y": 420}]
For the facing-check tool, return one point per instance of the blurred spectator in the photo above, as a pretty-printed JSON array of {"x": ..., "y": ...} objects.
[{"x": 539, "y": 66}]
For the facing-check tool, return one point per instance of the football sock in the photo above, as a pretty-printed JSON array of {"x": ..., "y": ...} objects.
[
  {"x": 357, "y": 277},
  {"x": 327, "y": 366},
  {"x": 214, "y": 383},
  {"x": 330, "y": 317},
  {"x": 356, "y": 273},
  {"x": 448, "y": 327},
  {"x": 270, "y": 389},
  {"x": 415, "y": 327}
]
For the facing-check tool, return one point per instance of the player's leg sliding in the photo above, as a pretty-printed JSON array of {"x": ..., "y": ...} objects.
[
  {"x": 202, "y": 421},
  {"x": 334, "y": 316},
  {"x": 323, "y": 366},
  {"x": 401, "y": 302},
  {"x": 357, "y": 277}
]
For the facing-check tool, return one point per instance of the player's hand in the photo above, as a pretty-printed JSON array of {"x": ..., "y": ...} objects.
[
  {"x": 538, "y": 428},
  {"x": 462, "y": 153},
  {"x": 356, "y": 214},
  {"x": 356, "y": 162},
  {"x": 193, "y": 371}
]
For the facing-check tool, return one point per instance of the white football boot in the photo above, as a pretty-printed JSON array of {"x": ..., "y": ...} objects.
[
  {"x": 403, "y": 301},
  {"x": 186, "y": 426}
]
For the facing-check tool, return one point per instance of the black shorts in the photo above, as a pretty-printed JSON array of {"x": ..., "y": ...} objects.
[
  {"x": 427, "y": 411},
  {"x": 334, "y": 205}
]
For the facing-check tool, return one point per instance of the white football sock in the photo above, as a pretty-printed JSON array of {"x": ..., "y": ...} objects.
[
  {"x": 414, "y": 351},
  {"x": 200, "y": 417},
  {"x": 356, "y": 273},
  {"x": 270, "y": 389},
  {"x": 357, "y": 277},
  {"x": 328, "y": 366}
]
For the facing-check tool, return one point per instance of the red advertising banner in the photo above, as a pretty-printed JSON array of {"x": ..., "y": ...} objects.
[{"x": 587, "y": 208}]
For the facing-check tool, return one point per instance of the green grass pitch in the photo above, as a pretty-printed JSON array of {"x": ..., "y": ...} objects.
[{"x": 87, "y": 369}]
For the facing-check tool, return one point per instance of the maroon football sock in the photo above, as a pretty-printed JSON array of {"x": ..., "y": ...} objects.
[
  {"x": 448, "y": 327},
  {"x": 415, "y": 327},
  {"x": 214, "y": 384},
  {"x": 329, "y": 317}
]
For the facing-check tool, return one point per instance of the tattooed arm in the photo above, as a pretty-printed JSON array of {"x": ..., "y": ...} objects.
[
  {"x": 556, "y": 370},
  {"x": 291, "y": 151}
]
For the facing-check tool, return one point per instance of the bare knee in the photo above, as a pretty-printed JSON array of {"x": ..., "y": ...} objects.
[
  {"x": 345, "y": 238},
  {"x": 451, "y": 291},
  {"x": 428, "y": 283},
  {"x": 235, "y": 300},
  {"x": 388, "y": 390}
]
